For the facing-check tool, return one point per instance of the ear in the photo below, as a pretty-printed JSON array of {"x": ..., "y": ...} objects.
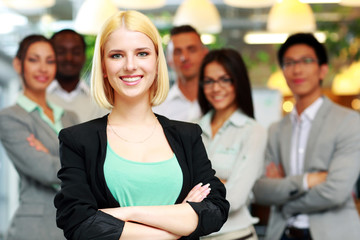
[
  {"x": 17, "y": 65},
  {"x": 324, "y": 69},
  {"x": 104, "y": 73}
]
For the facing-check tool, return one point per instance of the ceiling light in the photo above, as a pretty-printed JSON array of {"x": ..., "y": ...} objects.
[
  {"x": 201, "y": 14},
  {"x": 350, "y": 3},
  {"x": 208, "y": 38},
  {"x": 92, "y": 14},
  {"x": 347, "y": 82},
  {"x": 139, "y": 4},
  {"x": 274, "y": 38},
  {"x": 291, "y": 16},
  {"x": 320, "y": 1},
  {"x": 277, "y": 81},
  {"x": 12, "y": 20},
  {"x": 28, "y": 4},
  {"x": 250, "y": 3}
]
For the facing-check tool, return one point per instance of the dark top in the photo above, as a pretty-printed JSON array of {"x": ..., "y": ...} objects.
[{"x": 84, "y": 191}]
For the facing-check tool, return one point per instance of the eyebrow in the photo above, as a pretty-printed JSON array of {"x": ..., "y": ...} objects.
[
  {"x": 305, "y": 56},
  {"x": 136, "y": 49}
]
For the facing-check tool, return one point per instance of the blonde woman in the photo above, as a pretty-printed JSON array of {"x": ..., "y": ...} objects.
[{"x": 133, "y": 174}]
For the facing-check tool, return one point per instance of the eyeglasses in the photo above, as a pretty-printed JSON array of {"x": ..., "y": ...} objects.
[
  {"x": 289, "y": 64},
  {"x": 223, "y": 82}
]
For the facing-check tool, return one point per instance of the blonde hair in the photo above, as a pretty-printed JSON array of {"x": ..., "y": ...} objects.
[{"x": 133, "y": 21}]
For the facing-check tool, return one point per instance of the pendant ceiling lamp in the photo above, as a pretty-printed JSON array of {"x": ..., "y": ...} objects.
[
  {"x": 201, "y": 14},
  {"x": 350, "y": 3},
  {"x": 28, "y": 4},
  {"x": 291, "y": 16},
  {"x": 139, "y": 4},
  {"x": 29, "y": 7},
  {"x": 92, "y": 14},
  {"x": 250, "y": 3}
]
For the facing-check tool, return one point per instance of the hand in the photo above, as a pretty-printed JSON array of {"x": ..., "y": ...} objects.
[
  {"x": 273, "y": 171},
  {"x": 198, "y": 193},
  {"x": 33, "y": 142},
  {"x": 315, "y": 178}
]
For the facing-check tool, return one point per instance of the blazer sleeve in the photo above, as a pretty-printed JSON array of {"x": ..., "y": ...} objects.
[
  {"x": 42, "y": 167},
  {"x": 277, "y": 192},
  {"x": 343, "y": 172},
  {"x": 77, "y": 208},
  {"x": 213, "y": 210}
]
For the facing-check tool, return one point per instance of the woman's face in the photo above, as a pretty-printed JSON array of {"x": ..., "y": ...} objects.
[
  {"x": 130, "y": 64},
  {"x": 219, "y": 90},
  {"x": 39, "y": 67}
]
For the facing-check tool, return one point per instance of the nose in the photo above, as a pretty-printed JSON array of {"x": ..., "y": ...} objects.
[
  {"x": 130, "y": 64},
  {"x": 297, "y": 67},
  {"x": 43, "y": 66},
  {"x": 184, "y": 56},
  {"x": 68, "y": 56},
  {"x": 216, "y": 86}
]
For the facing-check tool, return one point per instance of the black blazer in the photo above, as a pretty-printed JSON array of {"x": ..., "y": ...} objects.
[{"x": 84, "y": 190}]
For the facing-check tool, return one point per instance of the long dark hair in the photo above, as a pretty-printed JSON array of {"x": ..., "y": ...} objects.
[{"x": 234, "y": 65}]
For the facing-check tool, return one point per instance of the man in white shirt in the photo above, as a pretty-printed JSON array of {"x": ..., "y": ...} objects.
[
  {"x": 185, "y": 54},
  {"x": 312, "y": 157},
  {"x": 68, "y": 90}
]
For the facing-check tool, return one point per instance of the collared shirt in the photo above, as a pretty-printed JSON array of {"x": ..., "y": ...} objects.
[
  {"x": 30, "y": 106},
  {"x": 301, "y": 126},
  {"x": 55, "y": 88},
  {"x": 237, "y": 155},
  {"x": 78, "y": 101},
  {"x": 177, "y": 107}
]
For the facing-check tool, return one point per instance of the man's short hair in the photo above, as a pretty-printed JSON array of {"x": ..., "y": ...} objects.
[
  {"x": 183, "y": 29},
  {"x": 307, "y": 39}
]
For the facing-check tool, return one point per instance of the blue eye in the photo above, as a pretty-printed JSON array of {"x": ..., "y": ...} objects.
[
  {"x": 143, "y": 54},
  {"x": 116, "y": 56}
]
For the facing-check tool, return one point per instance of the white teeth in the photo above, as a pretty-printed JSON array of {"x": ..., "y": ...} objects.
[
  {"x": 131, "y": 79},
  {"x": 218, "y": 97}
]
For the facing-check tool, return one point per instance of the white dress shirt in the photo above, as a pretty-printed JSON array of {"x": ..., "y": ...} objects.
[
  {"x": 301, "y": 126},
  {"x": 178, "y": 107},
  {"x": 78, "y": 101}
]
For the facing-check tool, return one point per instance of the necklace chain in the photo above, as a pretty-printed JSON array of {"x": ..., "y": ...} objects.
[{"x": 141, "y": 141}]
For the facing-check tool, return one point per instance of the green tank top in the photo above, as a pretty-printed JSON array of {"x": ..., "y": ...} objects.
[{"x": 142, "y": 184}]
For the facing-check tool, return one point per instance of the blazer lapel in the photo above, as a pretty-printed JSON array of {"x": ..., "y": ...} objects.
[
  {"x": 315, "y": 132},
  {"x": 285, "y": 144}
]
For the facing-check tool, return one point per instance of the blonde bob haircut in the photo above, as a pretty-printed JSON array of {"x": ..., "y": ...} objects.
[{"x": 101, "y": 89}]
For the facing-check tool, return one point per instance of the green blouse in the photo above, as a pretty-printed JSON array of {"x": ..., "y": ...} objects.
[{"x": 142, "y": 184}]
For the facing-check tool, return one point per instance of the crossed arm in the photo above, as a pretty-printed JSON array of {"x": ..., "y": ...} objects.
[
  {"x": 160, "y": 222},
  {"x": 152, "y": 222},
  {"x": 326, "y": 189}
]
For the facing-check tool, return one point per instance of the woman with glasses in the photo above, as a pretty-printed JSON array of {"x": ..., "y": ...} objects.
[{"x": 234, "y": 141}]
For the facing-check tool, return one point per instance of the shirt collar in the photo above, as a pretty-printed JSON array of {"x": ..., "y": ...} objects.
[
  {"x": 309, "y": 112},
  {"x": 80, "y": 87},
  {"x": 30, "y": 106},
  {"x": 237, "y": 119},
  {"x": 175, "y": 92}
]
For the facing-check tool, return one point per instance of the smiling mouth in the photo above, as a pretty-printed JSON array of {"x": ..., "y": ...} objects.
[{"x": 131, "y": 79}]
